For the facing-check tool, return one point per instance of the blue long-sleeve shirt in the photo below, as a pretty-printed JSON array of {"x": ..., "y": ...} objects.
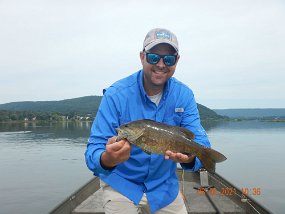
[{"x": 125, "y": 101}]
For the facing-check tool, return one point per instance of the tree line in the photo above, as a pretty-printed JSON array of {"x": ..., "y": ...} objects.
[
  {"x": 81, "y": 108},
  {"x": 6, "y": 116}
]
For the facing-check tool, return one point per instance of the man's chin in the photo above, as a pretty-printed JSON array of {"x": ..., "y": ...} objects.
[
  {"x": 158, "y": 82},
  {"x": 159, "y": 76}
]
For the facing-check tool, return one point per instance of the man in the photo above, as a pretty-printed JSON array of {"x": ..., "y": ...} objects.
[{"x": 132, "y": 180}]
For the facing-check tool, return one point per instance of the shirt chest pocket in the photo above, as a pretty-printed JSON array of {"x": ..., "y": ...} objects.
[{"x": 174, "y": 119}]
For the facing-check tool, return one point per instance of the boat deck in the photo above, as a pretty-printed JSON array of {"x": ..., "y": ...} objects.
[
  {"x": 196, "y": 203},
  {"x": 224, "y": 198}
]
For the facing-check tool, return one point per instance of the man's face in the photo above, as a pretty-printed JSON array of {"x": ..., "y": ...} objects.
[{"x": 156, "y": 75}]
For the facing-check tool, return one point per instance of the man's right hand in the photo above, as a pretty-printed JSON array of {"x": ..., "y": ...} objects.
[{"x": 116, "y": 152}]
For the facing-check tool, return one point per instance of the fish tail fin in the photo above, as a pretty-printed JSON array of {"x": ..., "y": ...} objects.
[
  {"x": 210, "y": 157},
  {"x": 208, "y": 164}
]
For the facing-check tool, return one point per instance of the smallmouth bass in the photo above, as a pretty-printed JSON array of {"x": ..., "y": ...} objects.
[{"x": 155, "y": 137}]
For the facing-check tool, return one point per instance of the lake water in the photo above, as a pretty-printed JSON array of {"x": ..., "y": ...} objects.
[{"x": 42, "y": 164}]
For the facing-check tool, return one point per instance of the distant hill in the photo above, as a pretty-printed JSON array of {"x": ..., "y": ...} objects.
[
  {"x": 206, "y": 113},
  {"x": 252, "y": 113},
  {"x": 88, "y": 104}
]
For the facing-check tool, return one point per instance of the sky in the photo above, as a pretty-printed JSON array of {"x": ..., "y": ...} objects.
[{"x": 232, "y": 52}]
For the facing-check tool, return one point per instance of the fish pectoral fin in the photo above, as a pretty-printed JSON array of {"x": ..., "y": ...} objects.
[
  {"x": 141, "y": 132},
  {"x": 133, "y": 138}
]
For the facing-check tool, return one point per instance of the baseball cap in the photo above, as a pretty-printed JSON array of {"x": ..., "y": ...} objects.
[{"x": 158, "y": 36}]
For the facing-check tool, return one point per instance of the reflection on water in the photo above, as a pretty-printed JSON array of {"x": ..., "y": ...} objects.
[
  {"x": 56, "y": 130},
  {"x": 210, "y": 124},
  {"x": 242, "y": 125},
  {"x": 43, "y": 163}
]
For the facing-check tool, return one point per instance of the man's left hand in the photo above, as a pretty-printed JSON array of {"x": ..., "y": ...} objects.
[{"x": 179, "y": 157}]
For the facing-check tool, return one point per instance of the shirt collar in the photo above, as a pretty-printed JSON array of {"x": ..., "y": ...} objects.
[{"x": 140, "y": 81}]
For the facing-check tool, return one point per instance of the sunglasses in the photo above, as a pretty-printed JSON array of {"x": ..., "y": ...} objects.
[{"x": 168, "y": 60}]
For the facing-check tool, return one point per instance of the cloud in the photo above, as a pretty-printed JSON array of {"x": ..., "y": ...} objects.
[{"x": 77, "y": 48}]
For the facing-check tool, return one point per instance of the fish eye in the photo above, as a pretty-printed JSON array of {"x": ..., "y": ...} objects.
[{"x": 126, "y": 125}]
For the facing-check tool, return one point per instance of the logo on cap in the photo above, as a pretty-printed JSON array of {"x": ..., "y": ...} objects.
[{"x": 163, "y": 35}]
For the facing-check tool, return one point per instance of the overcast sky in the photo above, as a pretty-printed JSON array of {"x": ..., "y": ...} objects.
[{"x": 232, "y": 51}]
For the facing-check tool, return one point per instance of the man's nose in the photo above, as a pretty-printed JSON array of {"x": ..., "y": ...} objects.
[{"x": 160, "y": 64}]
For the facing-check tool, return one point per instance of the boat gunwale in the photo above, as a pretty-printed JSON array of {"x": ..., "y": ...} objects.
[{"x": 77, "y": 197}]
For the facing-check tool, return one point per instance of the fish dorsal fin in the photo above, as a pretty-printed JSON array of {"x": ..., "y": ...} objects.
[
  {"x": 186, "y": 132},
  {"x": 149, "y": 120}
]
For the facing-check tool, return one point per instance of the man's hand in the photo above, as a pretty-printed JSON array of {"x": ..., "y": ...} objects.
[
  {"x": 179, "y": 157},
  {"x": 116, "y": 152}
]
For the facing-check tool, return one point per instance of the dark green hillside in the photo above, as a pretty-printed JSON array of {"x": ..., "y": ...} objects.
[
  {"x": 78, "y": 106},
  {"x": 206, "y": 113},
  {"x": 88, "y": 104}
]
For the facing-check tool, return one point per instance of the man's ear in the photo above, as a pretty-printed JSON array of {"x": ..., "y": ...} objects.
[
  {"x": 178, "y": 57},
  {"x": 142, "y": 55}
]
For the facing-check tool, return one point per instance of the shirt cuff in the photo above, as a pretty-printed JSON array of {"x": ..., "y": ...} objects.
[
  {"x": 99, "y": 169},
  {"x": 192, "y": 167}
]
